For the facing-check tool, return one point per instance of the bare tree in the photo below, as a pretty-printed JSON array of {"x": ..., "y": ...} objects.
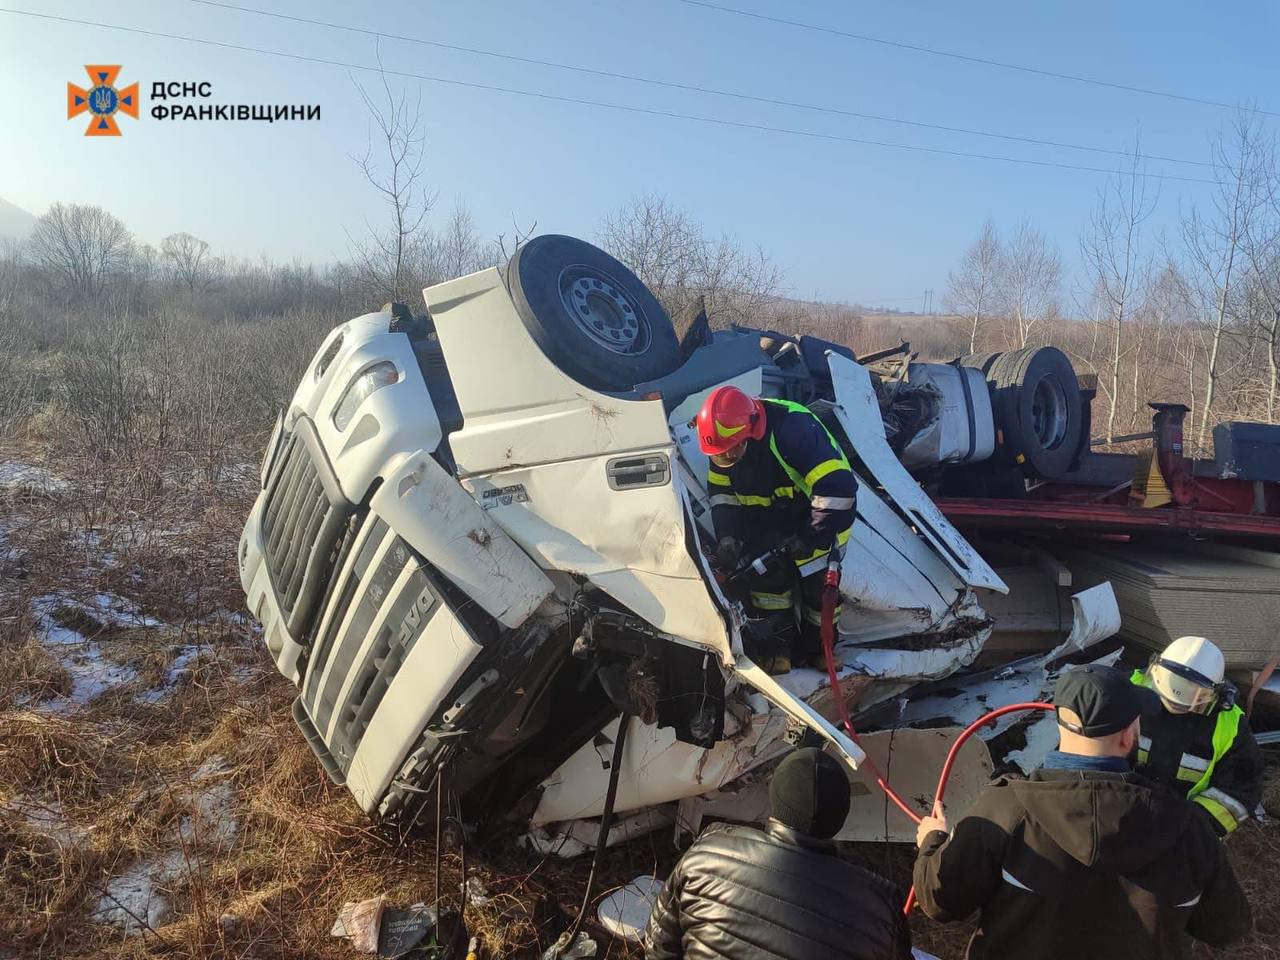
[
  {"x": 1262, "y": 250},
  {"x": 186, "y": 256},
  {"x": 668, "y": 250},
  {"x": 1111, "y": 247},
  {"x": 971, "y": 290},
  {"x": 455, "y": 251},
  {"x": 393, "y": 165},
  {"x": 1030, "y": 273},
  {"x": 1214, "y": 238},
  {"x": 80, "y": 247}
]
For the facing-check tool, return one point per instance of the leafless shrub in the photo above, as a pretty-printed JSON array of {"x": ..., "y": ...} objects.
[{"x": 669, "y": 251}]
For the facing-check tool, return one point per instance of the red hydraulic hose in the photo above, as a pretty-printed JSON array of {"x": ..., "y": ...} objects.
[{"x": 830, "y": 592}]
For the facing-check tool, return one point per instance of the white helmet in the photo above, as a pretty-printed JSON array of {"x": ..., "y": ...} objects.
[{"x": 1188, "y": 675}]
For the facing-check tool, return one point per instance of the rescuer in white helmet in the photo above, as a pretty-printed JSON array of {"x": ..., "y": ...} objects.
[{"x": 1199, "y": 744}]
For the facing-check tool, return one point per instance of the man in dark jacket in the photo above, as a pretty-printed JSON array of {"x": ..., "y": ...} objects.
[
  {"x": 1085, "y": 859},
  {"x": 781, "y": 892}
]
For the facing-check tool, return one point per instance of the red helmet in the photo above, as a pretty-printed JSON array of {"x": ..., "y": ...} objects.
[{"x": 727, "y": 418}]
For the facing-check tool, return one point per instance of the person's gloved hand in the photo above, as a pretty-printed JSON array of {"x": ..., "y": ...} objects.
[{"x": 728, "y": 552}]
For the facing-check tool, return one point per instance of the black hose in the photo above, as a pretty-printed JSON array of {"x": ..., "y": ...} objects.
[{"x": 606, "y": 818}]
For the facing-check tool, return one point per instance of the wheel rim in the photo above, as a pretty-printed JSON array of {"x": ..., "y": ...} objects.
[
  {"x": 602, "y": 311},
  {"x": 1049, "y": 413}
]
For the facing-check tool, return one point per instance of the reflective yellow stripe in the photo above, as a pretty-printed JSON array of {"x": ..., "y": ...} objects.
[
  {"x": 719, "y": 479},
  {"x": 817, "y": 559},
  {"x": 1186, "y": 773},
  {"x": 784, "y": 493},
  {"x": 1224, "y": 734},
  {"x": 771, "y": 601},
  {"x": 821, "y": 470},
  {"x": 748, "y": 500},
  {"x": 1142, "y": 755},
  {"x": 729, "y": 431},
  {"x": 1220, "y": 812},
  {"x": 815, "y": 616}
]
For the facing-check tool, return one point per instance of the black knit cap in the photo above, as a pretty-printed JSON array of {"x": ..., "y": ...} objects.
[{"x": 810, "y": 793}]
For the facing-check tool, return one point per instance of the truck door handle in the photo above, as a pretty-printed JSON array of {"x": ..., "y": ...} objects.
[{"x": 648, "y": 470}]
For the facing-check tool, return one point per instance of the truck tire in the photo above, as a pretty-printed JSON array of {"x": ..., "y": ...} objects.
[
  {"x": 1036, "y": 401},
  {"x": 590, "y": 315},
  {"x": 981, "y": 361}
]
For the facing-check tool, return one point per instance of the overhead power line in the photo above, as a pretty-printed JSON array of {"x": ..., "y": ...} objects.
[
  {"x": 691, "y": 87},
  {"x": 967, "y": 58},
  {"x": 585, "y": 101}
]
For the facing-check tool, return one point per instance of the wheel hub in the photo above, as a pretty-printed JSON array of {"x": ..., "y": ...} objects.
[
  {"x": 604, "y": 313},
  {"x": 1049, "y": 413}
]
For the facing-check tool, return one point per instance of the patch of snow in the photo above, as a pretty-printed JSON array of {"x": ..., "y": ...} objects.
[
  {"x": 212, "y": 820},
  {"x": 106, "y": 608},
  {"x": 178, "y": 671},
  {"x": 91, "y": 673},
  {"x": 48, "y": 819},
  {"x": 16, "y": 475},
  {"x": 136, "y": 899},
  {"x": 119, "y": 612}
]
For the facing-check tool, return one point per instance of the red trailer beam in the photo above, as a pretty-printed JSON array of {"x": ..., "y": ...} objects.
[{"x": 1040, "y": 514}]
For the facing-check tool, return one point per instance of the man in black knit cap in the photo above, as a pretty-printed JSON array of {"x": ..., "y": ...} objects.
[{"x": 781, "y": 892}]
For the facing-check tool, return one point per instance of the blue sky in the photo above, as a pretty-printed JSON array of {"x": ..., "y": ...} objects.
[{"x": 844, "y": 221}]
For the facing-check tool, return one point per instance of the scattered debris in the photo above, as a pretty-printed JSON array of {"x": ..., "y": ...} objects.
[
  {"x": 582, "y": 947},
  {"x": 403, "y": 930},
  {"x": 625, "y": 912},
  {"x": 476, "y": 892},
  {"x": 359, "y": 923}
]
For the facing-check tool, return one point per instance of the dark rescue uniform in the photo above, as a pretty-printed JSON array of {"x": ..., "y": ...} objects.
[
  {"x": 794, "y": 481},
  {"x": 1213, "y": 760},
  {"x": 1072, "y": 864}
]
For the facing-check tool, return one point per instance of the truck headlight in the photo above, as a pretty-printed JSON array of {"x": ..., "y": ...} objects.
[{"x": 369, "y": 381}]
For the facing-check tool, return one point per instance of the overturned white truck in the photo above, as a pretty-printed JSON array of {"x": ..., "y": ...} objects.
[{"x": 482, "y": 539}]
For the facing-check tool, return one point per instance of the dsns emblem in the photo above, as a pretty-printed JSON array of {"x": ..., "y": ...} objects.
[{"x": 102, "y": 100}]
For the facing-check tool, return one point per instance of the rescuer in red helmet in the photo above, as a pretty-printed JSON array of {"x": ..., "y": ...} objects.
[{"x": 777, "y": 473}]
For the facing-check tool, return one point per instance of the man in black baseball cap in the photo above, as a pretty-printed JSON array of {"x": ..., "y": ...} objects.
[{"x": 1085, "y": 858}]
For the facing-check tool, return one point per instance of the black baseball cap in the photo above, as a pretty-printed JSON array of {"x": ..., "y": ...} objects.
[{"x": 1104, "y": 698}]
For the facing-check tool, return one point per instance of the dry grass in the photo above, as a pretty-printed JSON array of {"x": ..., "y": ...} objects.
[{"x": 90, "y": 793}]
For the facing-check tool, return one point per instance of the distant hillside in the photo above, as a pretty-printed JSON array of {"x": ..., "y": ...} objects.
[{"x": 15, "y": 223}]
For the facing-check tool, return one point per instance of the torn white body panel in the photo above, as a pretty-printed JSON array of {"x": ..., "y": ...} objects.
[
  {"x": 630, "y": 543},
  {"x": 859, "y": 413},
  {"x": 910, "y": 759},
  {"x": 656, "y": 768},
  {"x": 428, "y": 508}
]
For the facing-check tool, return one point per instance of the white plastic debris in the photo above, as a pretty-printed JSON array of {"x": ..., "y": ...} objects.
[
  {"x": 359, "y": 923},
  {"x": 477, "y": 895},
  {"x": 625, "y": 912},
  {"x": 582, "y": 947}
]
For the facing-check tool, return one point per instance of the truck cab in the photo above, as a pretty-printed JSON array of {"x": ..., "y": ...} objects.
[{"x": 482, "y": 542}]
